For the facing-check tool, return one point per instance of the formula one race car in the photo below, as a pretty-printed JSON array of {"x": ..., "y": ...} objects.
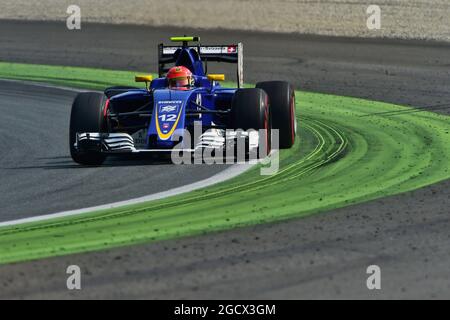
[{"x": 163, "y": 116}]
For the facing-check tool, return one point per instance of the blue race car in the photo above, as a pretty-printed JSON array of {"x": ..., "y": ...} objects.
[{"x": 164, "y": 115}]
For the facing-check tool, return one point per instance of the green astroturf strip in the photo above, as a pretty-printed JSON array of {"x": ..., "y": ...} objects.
[
  {"x": 95, "y": 79},
  {"x": 348, "y": 152}
]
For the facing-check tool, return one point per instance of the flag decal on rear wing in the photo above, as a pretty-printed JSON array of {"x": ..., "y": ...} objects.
[
  {"x": 218, "y": 53},
  {"x": 232, "y": 50}
]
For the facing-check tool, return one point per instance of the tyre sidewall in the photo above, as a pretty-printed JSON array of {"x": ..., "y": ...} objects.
[
  {"x": 87, "y": 116},
  {"x": 282, "y": 106}
]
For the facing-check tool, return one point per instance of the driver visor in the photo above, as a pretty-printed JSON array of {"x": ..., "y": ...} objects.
[{"x": 179, "y": 82}]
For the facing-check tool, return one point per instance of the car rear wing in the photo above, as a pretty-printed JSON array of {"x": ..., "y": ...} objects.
[{"x": 217, "y": 53}]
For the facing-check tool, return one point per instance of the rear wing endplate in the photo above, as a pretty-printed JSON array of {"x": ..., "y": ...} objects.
[{"x": 218, "y": 53}]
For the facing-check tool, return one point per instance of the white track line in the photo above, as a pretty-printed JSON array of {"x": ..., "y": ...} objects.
[{"x": 227, "y": 174}]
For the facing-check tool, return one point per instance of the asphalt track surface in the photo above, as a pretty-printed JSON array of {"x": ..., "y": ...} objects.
[
  {"x": 38, "y": 174},
  {"x": 324, "y": 256}
]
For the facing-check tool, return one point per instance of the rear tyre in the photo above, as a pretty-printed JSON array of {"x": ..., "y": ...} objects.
[
  {"x": 250, "y": 110},
  {"x": 87, "y": 116},
  {"x": 282, "y": 104}
]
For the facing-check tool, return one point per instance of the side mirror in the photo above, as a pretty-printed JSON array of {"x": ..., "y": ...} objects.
[
  {"x": 144, "y": 78},
  {"x": 216, "y": 77}
]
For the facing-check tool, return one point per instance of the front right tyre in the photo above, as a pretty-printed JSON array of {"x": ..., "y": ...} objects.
[{"x": 87, "y": 116}]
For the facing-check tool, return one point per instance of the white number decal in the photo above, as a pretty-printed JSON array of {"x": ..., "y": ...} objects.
[{"x": 168, "y": 117}]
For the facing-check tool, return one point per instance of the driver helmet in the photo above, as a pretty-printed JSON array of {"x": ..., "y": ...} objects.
[{"x": 180, "y": 78}]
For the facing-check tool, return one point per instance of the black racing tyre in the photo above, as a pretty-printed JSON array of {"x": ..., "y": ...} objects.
[
  {"x": 87, "y": 116},
  {"x": 113, "y": 91},
  {"x": 250, "y": 110},
  {"x": 282, "y": 105}
]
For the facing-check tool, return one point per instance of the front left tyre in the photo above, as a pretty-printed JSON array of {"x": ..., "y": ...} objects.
[
  {"x": 87, "y": 116},
  {"x": 282, "y": 105}
]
